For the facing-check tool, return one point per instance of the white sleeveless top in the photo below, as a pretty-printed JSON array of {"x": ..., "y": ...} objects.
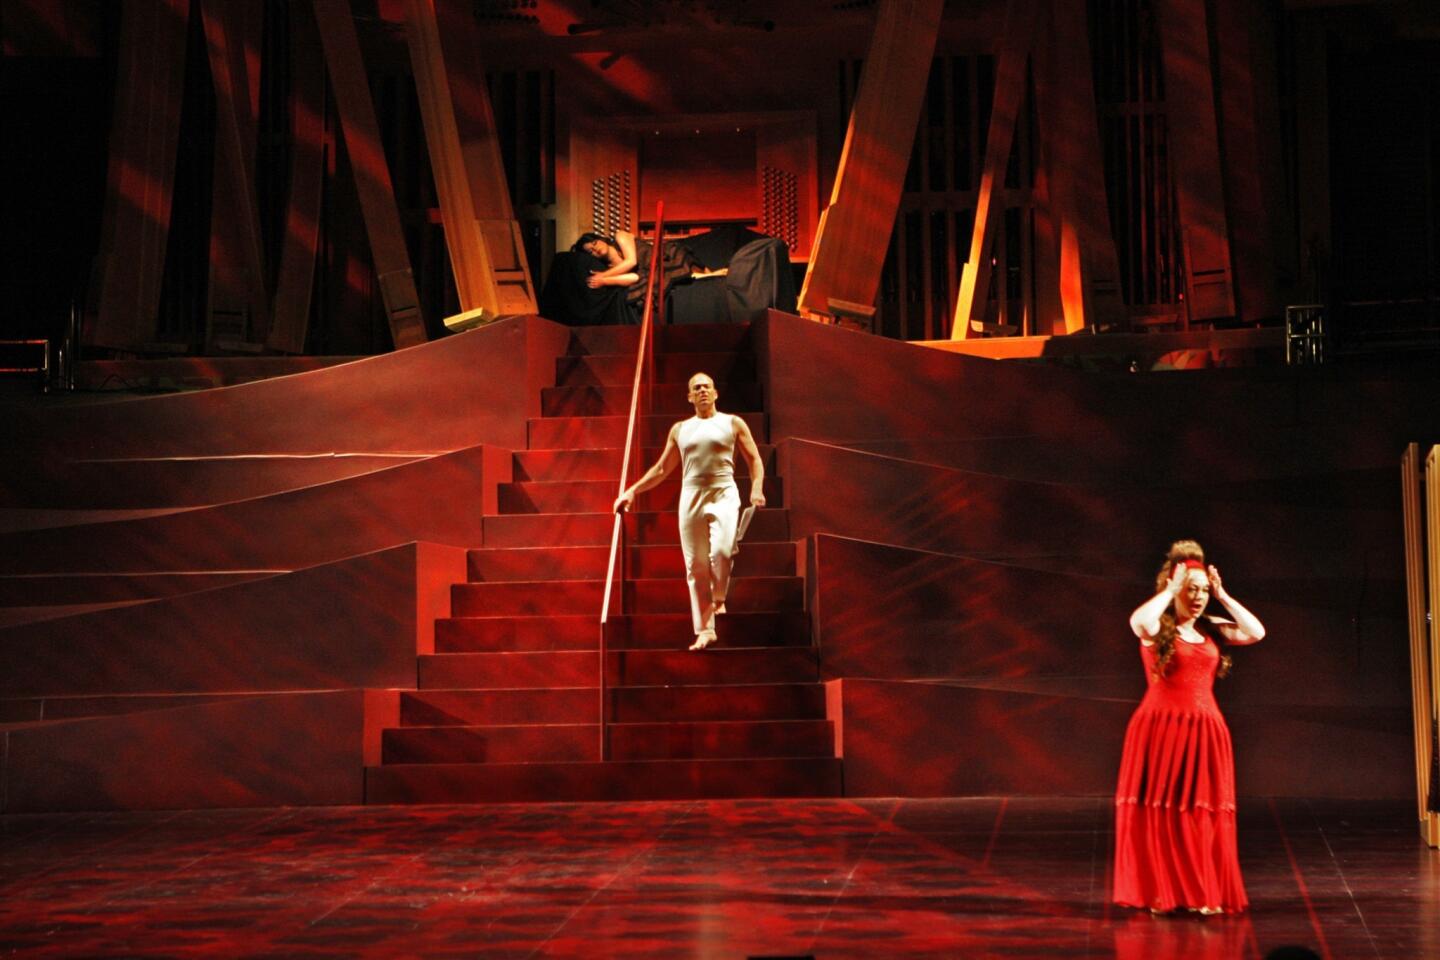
[{"x": 707, "y": 450}]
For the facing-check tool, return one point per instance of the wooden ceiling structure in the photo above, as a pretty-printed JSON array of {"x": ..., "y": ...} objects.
[{"x": 1051, "y": 186}]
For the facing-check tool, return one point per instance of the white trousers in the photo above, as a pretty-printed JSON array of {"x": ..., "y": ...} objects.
[{"x": 708, "y": 516}]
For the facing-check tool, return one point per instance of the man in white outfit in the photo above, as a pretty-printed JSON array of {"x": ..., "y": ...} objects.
[{"x": 709, "y": 500}]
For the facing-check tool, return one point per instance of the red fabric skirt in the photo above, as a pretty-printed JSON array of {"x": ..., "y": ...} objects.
[{"x": 1175, "y": 843}]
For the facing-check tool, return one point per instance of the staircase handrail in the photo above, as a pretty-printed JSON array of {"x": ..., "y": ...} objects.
[{"x": 644, "y": 364}]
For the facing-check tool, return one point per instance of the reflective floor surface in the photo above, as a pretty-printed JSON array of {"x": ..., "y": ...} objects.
[{"x": 1012, "y": 877}]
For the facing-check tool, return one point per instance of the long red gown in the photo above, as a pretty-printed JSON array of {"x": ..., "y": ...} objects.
[{"x": 1175, "y": 802}]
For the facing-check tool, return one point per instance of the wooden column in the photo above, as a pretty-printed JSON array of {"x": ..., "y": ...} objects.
[
  {"x": 372, "y": 176},
  {"x": 854, "y": 231},
  {"x": 487, "y": 252},
  {"x": 237, "y": 254},
  {"x": 1088, "y": 273},
  {"x": 1009, "y": 94},
  {"x": 140, "y": 182},
  {"x": 1195, "y": 157},
  {"x": 295, "y": 278}
]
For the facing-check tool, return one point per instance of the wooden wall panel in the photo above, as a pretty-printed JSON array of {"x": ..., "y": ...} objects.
[
  {"x": 300, "y": 246},
  {"x": 1254, "y": 192},
  {"x": 237, "y": 257},
  {"x": 140, "y": 182}
]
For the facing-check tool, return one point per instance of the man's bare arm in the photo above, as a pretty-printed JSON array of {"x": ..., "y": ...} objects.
[
  {"x": 752, "y": 456},
  {"x": 669, "y": 460}
]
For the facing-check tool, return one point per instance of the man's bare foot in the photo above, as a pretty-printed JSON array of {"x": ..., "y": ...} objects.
[
  {"x": 703, "y": 639},
  {"x": 720, "y": 607}
]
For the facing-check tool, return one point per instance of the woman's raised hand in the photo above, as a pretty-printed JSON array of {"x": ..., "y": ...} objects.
[
  {"x": 1217, "y": 587},
  {"x": 1177, "y": 579}
]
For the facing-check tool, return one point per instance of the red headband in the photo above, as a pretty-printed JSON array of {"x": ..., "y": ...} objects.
[{"x": 1190, "y": 564}]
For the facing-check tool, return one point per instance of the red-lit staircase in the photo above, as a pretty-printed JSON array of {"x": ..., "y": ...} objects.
[{"x": 507, "y": 707}]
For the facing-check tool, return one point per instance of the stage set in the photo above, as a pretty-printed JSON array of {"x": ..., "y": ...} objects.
[{"x": 320, "y": 636}]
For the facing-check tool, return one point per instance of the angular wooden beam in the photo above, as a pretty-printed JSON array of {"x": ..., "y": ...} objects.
[
  {"x": 295, "y": 279},
  {"x": 854, "y": 231},
  {"x": 1195, "y": 157},
  {"x": 487, "y": 252},
  {"x": 237, "y": 252},
  {"x": 1013, "y": 55},
  {"x": 372, "y": 175},
  {"x": 1255, "y": 189},
  {"x": 1089, "y": 268},
  {"x": 140, "y": 182}
]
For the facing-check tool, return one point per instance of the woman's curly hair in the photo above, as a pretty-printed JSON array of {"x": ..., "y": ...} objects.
[{"x": 1180, "y": 551}]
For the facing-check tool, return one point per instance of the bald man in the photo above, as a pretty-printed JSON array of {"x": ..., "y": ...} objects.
[{"x": 709, "y": 500}]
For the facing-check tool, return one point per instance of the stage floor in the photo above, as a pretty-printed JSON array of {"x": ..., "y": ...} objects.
[{"x": 1018, "y": 877}]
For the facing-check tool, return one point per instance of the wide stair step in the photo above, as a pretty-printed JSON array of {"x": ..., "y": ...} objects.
[
  {"x": 589, "y": 563},
  {"x": 708, "y": 740},
  {"x": 603, "y": 463},
  {"x": 618, "y": 370},
  {"x": 582, "y": 632},
  {"x": 729, "y": 701},
  {"x": 684, "y": 338},
  {"x": 577, "y": 668},
  {"x": 564, "y": 597},
  {"x": 669, "y": 399},
  {"x": 609, "y": 781},
  {"x": 516, "y": 743},
  {"x": 597, "y": 496},
  {"x": 568, "y": 433},
  {"x": 578, "y": 705},
  {"x": 592, "y": 529},
  {"x": 554, "y": 704}
]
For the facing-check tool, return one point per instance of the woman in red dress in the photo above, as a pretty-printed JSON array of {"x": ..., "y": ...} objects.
[{"x": 1175, "y": 803}]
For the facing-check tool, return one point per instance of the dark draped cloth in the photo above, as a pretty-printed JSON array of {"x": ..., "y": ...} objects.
[
  {"x": 760, "y": 276},
  {"x": 676, "y": 265},
  {"x": 568, "y": 300}
]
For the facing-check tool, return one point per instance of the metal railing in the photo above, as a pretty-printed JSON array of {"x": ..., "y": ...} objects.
[
  {"x": 42, "y": 367},
  {"x": 641, "y": 396}
]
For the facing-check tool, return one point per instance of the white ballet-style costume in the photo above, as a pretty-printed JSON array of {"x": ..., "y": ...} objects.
[{"x": 709, "y": 512}]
